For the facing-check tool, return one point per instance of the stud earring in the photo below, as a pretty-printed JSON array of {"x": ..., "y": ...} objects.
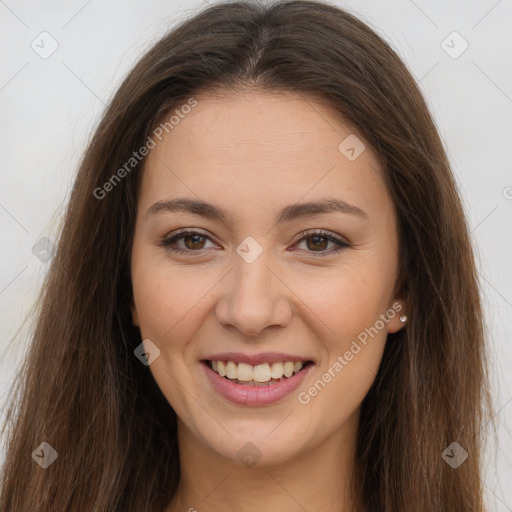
[{"x": 403, "y": 319}]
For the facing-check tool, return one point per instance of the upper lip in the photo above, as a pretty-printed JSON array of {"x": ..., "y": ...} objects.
[{"x": 254, "y": 359}]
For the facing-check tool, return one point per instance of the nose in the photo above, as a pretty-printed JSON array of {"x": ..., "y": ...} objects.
[{"x": 253, "y": 298}]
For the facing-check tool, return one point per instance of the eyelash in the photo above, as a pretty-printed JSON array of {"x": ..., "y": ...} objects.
[{"x": 166, "y": 242}]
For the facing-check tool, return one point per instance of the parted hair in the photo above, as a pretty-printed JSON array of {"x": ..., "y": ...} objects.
[{"x": 81, "y": 389}]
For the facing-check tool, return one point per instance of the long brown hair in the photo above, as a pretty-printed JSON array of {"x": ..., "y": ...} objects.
[{"x": 82, "y": 390}]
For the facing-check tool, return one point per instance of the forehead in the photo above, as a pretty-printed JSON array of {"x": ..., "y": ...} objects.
[{"x": 263, "y": 149}]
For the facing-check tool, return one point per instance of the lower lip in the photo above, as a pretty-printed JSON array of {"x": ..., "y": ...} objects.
[{"x": 254, "y": 395}]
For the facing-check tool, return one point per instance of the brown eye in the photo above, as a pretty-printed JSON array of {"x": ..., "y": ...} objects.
[
  {"x": 194, "y": 242},
  {"x": 186, "y": 242},
  {"x": 318, "y": 242},
  {"x": 189, "y": 242}
]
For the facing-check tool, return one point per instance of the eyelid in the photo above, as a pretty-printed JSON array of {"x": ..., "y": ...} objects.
[
  {"x": 183, "y": 232},
  {"x": 322, "y": 232},
  {"x": 340, "y": 242},
  {"x": 188, "y": 231}
]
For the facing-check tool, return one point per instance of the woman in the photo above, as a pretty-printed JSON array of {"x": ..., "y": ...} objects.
[{"x": 264, "y": 296}]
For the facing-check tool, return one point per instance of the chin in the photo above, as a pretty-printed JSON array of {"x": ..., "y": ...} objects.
[{"x": 257, "y": 443}]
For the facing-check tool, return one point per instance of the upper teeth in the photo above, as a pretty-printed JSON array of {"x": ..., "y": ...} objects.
[{"x": 259, "y": 373}]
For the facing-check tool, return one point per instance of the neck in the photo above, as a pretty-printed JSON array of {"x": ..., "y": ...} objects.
[{"x": 315, "y": 480}]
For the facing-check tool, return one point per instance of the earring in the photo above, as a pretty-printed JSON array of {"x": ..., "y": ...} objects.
[{"x": 403, "y": 319}]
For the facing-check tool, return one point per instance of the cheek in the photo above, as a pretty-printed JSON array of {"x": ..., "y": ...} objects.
[
  {"x": 348, "y": 299},
  {"x": 340, "y": 389},
  {"x": 350, "y": 305},
  {"x": 156, "y": 302},
  {"x": 169, "y": 301},
  {"x": 154, "y": 296}
]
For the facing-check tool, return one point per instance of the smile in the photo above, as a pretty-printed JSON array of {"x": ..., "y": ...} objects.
[
  {"x": 256, "y": 375},
  {"x": 258, "y": 384}
]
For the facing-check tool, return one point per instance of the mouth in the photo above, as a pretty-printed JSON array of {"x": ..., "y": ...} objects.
[
  {"x": 259, "y": 375},
  {"x": 255, "y": 385}
]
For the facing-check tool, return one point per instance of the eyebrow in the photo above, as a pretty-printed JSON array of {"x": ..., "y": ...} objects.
[{"x": 287, "y": 214}]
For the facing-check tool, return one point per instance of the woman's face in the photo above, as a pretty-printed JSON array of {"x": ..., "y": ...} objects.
[{"x": 273, "y": 280}]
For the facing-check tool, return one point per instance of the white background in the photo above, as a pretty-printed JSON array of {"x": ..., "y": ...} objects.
[{"x": 49, "y": 108}]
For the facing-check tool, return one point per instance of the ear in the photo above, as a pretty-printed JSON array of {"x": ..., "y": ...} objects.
[
  {"x": 135, "y": 318},
  {"x": 395, "y": 311}
]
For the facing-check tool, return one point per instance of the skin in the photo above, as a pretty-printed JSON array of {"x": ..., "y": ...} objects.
[{"x": 253, "y": 154}]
